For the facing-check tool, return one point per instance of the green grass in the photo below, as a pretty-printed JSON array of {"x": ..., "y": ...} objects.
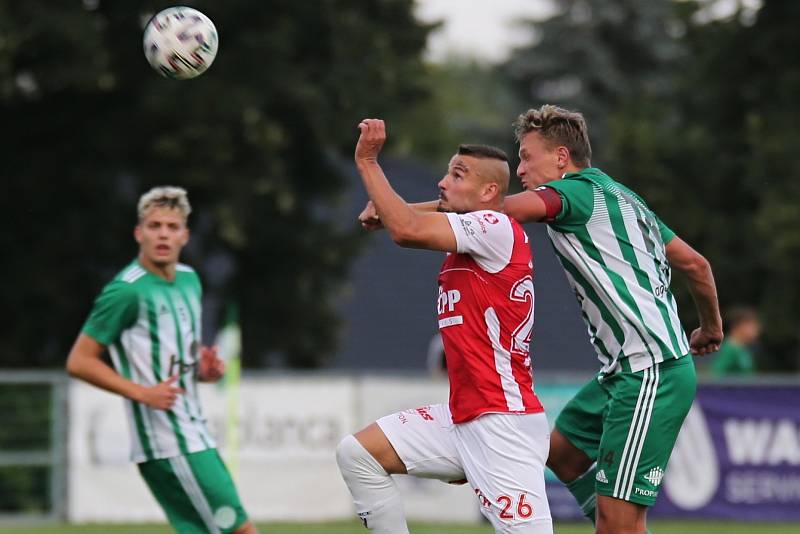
[{"x": 658, "y": 527}]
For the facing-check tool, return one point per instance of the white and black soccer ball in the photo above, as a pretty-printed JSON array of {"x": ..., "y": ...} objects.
[{"x": 180, "y": 42}]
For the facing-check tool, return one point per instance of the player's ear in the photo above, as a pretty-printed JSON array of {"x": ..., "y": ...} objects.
[
  {"x": 490, "y": 190},
  {"x": 137, "y": 233},
  {"x": 562, "y": 156}
]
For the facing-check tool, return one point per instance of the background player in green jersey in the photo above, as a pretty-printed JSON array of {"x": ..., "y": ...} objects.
[
  {"x": 612, "y": 441},
  {"x": 614, "y": 438},
  {"x": 148, "y": 317}
]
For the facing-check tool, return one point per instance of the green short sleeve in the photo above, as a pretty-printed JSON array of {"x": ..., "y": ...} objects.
[
  {"x": 577, "y": 201},
  {"x": 114, "y": 310},
  {"x": 666, "y": 232}
]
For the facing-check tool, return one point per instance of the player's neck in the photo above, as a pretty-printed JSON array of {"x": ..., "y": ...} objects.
[{"x": 162, "y": 270}]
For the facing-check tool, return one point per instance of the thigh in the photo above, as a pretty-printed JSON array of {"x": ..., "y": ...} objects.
[
  {"x": 423, "y": 440},
  {"x": 643, "y": 422},
  {"x": 195, "y": 492},
  {"x": 581, "y": 420},
  {"x": 504, "y": 459}
]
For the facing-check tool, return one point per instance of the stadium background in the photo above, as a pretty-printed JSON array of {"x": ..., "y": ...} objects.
[{"x": 691, "y": 103}]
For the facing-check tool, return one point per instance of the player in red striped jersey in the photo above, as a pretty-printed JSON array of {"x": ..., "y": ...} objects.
[{"x": 493, "y": 432}]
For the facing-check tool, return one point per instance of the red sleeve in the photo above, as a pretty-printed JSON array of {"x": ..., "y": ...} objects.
[{"x": 552, "y": 203}]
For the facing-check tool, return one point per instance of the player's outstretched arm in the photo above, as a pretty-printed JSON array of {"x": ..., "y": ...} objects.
[
  {"x": 697, "y": 270},
  {"x": 407, "y": 226},
  {"x": 370, "y": 220},
  {"x": 525, "y": 207},
  {"x": 85, "y": 362}
]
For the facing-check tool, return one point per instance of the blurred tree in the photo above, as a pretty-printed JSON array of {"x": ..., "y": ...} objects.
[
  {"x": 592, "y": 55},
  {"x": 88, "y": 127},
  {"x": 696, "y": 112}
]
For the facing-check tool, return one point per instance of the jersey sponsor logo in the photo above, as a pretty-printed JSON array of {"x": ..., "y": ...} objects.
[
  {"x": 601, "y": 477},
  {"x": 466, "y": 225},
  {"x": 645, "y": 492},
  {"x": 447, "y": 300},
  {"x": 178, "y": 367},
  {"x": 654, "y": 476},
  {"x": 490, "y": 218},
  {"x": 424, "y": 413},
  {"x": 451, "y": 321}
]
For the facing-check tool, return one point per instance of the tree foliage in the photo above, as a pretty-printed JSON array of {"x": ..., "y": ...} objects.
[
  {"x": 88, "y": 126},
  {"x": 698, "y": 115}
]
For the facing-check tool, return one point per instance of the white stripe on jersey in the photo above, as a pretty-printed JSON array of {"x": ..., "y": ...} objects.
[
  {"x": 570, "y": 247},
  {"x": 133, "y": 274},
  {"x": 183, "y": 267},
  {"x": 502, "y": 363},
  {"x": 603, "y": 329},
  {"x": 600, "y": 230}
]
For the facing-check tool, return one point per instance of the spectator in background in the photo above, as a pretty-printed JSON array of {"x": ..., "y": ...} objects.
[{"x": 742, "y": 328}]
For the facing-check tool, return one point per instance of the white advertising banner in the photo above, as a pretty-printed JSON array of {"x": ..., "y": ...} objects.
[{"x": 285, "y": 466}]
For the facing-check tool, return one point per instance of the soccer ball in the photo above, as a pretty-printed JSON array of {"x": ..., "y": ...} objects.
[{"x": 180, "y": 42}]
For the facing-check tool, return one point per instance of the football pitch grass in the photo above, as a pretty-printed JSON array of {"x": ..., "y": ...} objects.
[{"x": 657, "y": 527}]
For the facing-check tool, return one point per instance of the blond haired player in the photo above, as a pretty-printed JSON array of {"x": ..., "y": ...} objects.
[
  {"x": 148, "y": 317},
  {"x": 612, "y": 441},
  {"x": 493, "y": 432}
]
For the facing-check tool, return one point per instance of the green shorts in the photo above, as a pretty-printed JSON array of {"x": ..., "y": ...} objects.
[
  {"x": 628, "y": 423},
  {"x": 196, "y": 492}
]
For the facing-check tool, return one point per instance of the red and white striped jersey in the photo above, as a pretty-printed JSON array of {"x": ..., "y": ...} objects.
[{"x": 486, "y": 316}]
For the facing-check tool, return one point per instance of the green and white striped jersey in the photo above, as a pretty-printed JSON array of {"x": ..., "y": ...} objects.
[
  {"x": 612, "y": 247},
  {"x": 152, "y": 330}
]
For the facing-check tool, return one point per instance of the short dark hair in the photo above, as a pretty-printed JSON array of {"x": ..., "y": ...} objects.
[
  {"x": 559, "y": 127},
  {"x": 482, "y": 151},
  {"x": 736, "y": 315}
]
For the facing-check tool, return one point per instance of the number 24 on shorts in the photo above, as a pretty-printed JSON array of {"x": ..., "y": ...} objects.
[{"x": 524, "y": 510}]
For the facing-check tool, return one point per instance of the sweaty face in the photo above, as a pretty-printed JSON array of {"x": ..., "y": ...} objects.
[
  {"x": 161, "y": 236},
  {"x": 538, "y": 163},
  {"x": 459, "y": 190}
]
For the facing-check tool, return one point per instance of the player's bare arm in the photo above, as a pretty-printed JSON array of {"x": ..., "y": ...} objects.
[
  {"x": 525, "y": 207},
  {"x": 697, "y": 270},
  {"x": 407, "y": 226},
  {"x": 85, "y": 362}
]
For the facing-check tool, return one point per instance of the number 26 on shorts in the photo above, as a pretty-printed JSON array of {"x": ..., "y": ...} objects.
[{"x": 524, "y": 510}]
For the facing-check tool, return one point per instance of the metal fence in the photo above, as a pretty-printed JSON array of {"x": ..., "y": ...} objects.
[{"x": 33, "y": 445}]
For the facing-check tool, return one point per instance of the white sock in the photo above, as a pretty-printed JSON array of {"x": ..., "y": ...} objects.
[{"x": 375, "y": 494}]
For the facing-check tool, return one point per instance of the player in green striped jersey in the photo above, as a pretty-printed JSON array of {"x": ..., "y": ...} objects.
[
  {"x": 148, "y": 317},
  {"x": 618, "y": 256},
  {"x": 612, "y": 442}
]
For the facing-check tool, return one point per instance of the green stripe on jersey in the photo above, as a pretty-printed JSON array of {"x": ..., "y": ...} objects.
[
  {"x": 198, "y": 417},
  {"x": 136, "y": 407},
  {"x": 609, "y": 241},
  {"x": 152, "y": 316}
]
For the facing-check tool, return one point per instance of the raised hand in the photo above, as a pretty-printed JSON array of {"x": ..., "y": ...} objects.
[
  {"x": 369, "y": 218},
  {"x": 370, "y": 142},
  {"x": 163, "y": 395}
]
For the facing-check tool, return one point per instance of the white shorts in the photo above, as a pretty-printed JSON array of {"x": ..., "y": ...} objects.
[{"x": 501, "y": 455}]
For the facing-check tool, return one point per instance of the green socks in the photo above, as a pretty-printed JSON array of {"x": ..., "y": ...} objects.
[{"x": 582, "y": 488}]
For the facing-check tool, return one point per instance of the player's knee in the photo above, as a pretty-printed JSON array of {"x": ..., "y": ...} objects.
[{"x": 352, "y": 457}]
